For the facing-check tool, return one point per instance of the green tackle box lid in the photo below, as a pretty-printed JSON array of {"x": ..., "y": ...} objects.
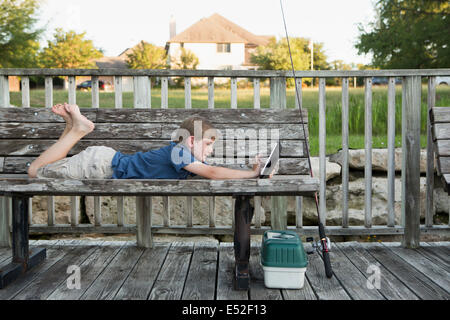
[{"x": 283, "y": 249}]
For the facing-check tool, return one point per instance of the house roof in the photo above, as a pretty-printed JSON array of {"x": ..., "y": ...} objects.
[
  {"x": 217, "y": 29},
  {"x": 111, "y": 62},
  {"x": 241, "y": 32}
]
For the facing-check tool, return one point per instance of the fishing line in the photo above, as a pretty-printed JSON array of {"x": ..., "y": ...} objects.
[{"x": 323, "y": 239}]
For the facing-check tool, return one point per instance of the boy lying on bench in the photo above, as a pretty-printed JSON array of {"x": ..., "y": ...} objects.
[{"x": 175, "y": 161}]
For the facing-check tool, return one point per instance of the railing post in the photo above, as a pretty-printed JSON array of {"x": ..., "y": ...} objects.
[
  {"x": 278, "y": 203},
  {"x": 5, "y": 236},
  {"x": 430, "y": 154},
  {"x": 345, "y": 166},
  {"x": 142, "y": 92},
  {"x": 4, "y": 92},
  {"x": 144, "y": 222},
  {"x": 411, "y": 161},
  {"x": 322, "y": 152}
]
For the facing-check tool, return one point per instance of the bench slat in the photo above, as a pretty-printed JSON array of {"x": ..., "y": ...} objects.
[
  {"x": 21, "y": 147},
  {"x": 443, "y": 148},
  {"x": 287, "y": 166},
  {"x": 39, "y": 115},
  {"x": 163, "y": 187},
  {"x": 17, "y": 130},
  {"x": 441, "y": 131},
  {"x": 173, "y": 115},
  {"x": 440, "y": 114}
]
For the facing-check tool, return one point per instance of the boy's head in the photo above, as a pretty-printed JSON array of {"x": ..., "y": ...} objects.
[{"x": 198, "y": 134}]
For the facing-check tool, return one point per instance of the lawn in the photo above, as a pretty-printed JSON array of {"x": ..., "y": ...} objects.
[{"x": 310, "y": 101}]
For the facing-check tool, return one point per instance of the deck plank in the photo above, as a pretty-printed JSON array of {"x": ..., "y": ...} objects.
[
  {"x": 90, "y": 269},
  {"x": 201, "y": 280},
  {"x": 141, "y": 279},
  {"x": 120, "y": 270},
  {"x": 110, "y": 280},
  {"x": 353, "y": 279},
  {"x": 324, "y": 288},
  {"x": 411, "y": 277},
  {"x": 257, "y": 289},
  {"x": 49, "y": 280},
  {"x": 434, "y": 272},
  {"x": 224, "y": 290},
  {"x": 170, "y": 282},
  {"x": 54, "y": 254},
  {"x": 305, "y": 293},
  {"x": 442, "y": 249},
  {"x": 390, "y": 287},
  {"x": 5, "y": 253},
  {"x": 435, "y": 256}
]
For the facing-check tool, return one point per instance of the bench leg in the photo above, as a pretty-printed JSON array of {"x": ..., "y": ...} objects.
[
  {"x": 243, "y": 216},
  {"x": 22, "y": 258}
]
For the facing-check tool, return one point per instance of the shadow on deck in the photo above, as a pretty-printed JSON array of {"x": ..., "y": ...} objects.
[{"x": 192, "y": 271}]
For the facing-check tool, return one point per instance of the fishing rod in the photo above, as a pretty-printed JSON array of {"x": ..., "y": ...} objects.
[{"x": 324, "y": 241}]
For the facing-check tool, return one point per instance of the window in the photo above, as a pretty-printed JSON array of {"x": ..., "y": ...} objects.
[{"x": 223, "y": 47}]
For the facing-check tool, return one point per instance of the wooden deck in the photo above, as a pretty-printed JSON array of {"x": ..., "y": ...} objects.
[{"x": 192, "y": 271}]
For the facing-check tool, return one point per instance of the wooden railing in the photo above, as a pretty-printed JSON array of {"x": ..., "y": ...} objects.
[{"x": 410, "y": 226}]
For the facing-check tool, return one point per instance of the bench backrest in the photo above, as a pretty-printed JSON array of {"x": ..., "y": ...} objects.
[
  {"x": 27, "y": 132},
  {"x": 440, "y": 122}
]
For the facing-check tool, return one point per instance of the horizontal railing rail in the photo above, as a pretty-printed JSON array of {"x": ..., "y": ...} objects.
[
  {"x": 226, "y": 73},
  {"x": 409, "y": 227}
]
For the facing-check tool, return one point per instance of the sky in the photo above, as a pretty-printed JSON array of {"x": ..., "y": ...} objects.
[{"x": 117, "y": 25}]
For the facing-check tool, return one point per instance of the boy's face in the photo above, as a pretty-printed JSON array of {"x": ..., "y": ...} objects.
[{"x": 201, "y": 149}]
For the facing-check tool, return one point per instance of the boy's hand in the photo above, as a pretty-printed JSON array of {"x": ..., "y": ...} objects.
[
  {"x": 275, "y": 170},
  {"x": 257, "y": 166}
]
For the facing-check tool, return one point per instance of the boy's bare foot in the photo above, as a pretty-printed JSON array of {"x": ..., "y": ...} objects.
[
  {"x": 80, "y": 122},
  {"x": 60, "y": 110}
]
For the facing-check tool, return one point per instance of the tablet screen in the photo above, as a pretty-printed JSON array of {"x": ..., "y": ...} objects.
[{"x": 271, "y": 162}]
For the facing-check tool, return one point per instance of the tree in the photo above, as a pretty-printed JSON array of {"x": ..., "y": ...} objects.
[
  {"x": 408, "y": 34},
  {"x": 183, "y": 59},
  {"x": 70, "y": 50},
  {"x": 147, "y": 56},
  {"x": 19, "y": 38},
  {"x": 275, "y": 55}
]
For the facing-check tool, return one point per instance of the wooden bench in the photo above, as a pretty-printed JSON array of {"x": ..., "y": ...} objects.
[
  {"x": 440, "y": 128},
  {"x": 27, "y": 132}
]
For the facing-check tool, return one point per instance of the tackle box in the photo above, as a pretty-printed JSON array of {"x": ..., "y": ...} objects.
[{"x": 283, "y": 259}]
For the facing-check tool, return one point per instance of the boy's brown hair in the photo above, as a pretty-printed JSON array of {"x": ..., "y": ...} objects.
[{"x": 187, "y": 128}]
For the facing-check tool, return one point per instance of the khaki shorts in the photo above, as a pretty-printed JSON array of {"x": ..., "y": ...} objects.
[{"x": 91, "y": 163}]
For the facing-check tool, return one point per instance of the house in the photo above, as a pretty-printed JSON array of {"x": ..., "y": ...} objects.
[
  {"x": 218, "y": 43},
  {"x": 119, "y": 62}
]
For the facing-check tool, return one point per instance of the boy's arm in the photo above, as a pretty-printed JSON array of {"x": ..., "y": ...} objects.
[{"x": 220, "y": 173}]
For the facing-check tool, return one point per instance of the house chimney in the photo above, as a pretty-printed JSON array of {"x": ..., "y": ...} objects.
[{"x": 172, "y": 27}]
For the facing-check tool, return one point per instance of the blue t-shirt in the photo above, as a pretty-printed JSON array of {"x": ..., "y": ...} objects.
[{"x": 163, "y": 163}]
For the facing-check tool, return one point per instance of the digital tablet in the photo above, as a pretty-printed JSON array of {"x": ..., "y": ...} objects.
[{"x": 271, "y": 162}]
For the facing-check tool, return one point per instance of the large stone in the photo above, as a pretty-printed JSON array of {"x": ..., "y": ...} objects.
[
  {"x": 332, "y": 169},
  {"x": 224, "y": 205},
  {"x": 357, "y": 159},
  {"x": 356, "y": 202}
]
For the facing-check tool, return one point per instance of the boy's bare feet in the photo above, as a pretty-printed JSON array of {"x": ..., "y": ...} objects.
[
  {"x": 80, "y": 123},
  {"x": 60, "y": 110}
]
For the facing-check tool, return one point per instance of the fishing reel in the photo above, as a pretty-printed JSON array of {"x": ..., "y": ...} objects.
[{"x": 317, "y": 245}]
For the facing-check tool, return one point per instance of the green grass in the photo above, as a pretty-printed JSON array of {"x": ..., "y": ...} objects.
[{"x": 310, "y": 102}]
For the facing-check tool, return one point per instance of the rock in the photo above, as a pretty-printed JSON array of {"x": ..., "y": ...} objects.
[
  {"x": 356, "y": 202},
  {"x": 223, "y": 206},
  {"x": 332, "y": 169},
  {"x": 357, "y": 158},
  {"x": 223, "y": 210}
]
